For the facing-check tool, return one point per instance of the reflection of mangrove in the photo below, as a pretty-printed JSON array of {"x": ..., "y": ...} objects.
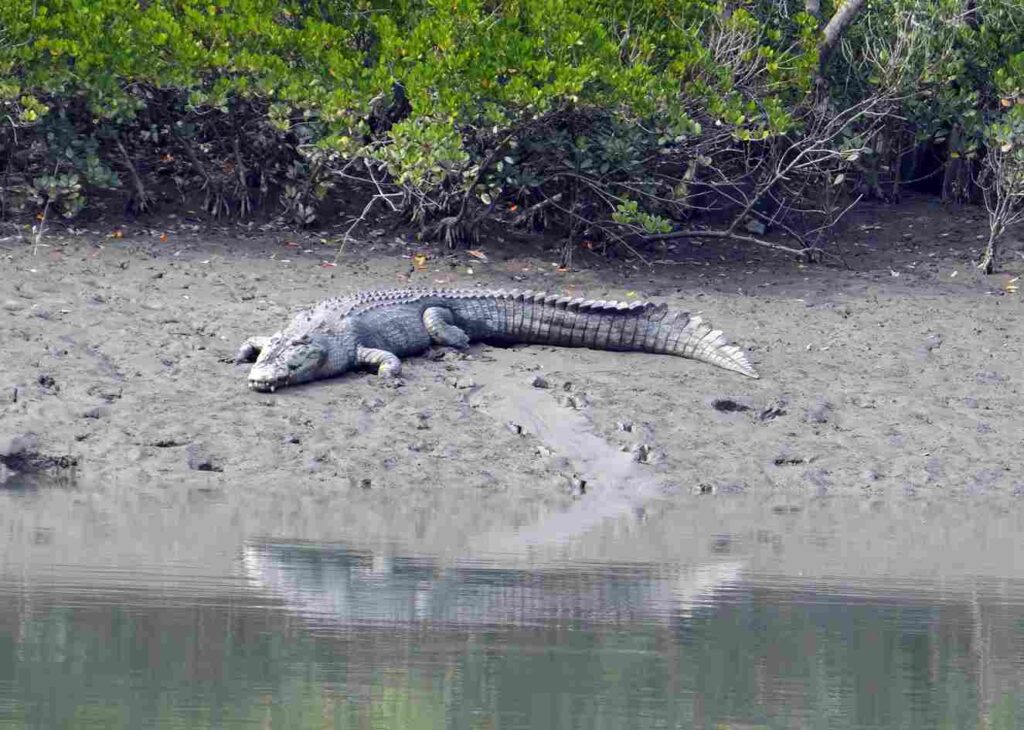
[
  {"x": 341, "y": 586},
  {"x": 848, "y": 655},
  {"x": 740, "y": 651}
]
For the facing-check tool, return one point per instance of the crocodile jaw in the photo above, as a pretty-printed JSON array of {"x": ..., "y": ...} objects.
[{"x": 266, "y": 378}]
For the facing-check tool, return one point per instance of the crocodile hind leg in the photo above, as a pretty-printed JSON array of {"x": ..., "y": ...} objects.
[
  {"x": 387, "y": 363},
  {"x": 438, "y": 322},
  {"x": 251, "y": 349}
]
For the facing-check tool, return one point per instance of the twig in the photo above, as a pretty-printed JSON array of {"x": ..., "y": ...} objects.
[
  {"x": 729, "y": 235},
  {"x": 42, "y": 224},
  {"x": 524, "y": 215}
]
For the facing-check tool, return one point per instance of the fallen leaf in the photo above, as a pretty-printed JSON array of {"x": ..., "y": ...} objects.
[
  {"x": 419, "y": 261},
  {"x": 291, "y": 244},
  {"x": 117, "y": 233},
  {"x": 163, "y": 238},
  {"x": 477, "y": 254},
  {"x": 327, "y": 264}
]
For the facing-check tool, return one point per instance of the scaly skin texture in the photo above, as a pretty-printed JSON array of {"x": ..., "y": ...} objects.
[{"x": 375, "y": 329}]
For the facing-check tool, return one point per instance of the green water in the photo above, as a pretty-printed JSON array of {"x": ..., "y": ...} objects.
[{"x": 328, "y": 636}]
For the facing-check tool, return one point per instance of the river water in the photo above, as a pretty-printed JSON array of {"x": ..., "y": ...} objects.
[{"x": 707, "y": 613}]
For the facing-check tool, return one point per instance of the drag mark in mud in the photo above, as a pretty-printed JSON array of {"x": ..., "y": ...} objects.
[{"x": 616, "y": 483}]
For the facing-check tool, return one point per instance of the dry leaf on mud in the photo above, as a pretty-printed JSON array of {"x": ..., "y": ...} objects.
[
  {"x": 419, "y": 261},
  {"x": 477, "y": 254},
  {"x": 327, "y": 264}
]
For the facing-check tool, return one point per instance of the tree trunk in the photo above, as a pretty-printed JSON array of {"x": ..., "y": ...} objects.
[
  {"x": 951, "y": 192},
  {"x": 833, "y": 31},
  {"x": 988, "y": 259}
]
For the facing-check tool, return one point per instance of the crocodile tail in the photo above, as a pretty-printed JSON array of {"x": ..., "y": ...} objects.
[{"x": 696, "y": 339}]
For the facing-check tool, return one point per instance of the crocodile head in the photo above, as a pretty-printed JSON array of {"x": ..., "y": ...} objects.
[{"x": 292, "y": 359}]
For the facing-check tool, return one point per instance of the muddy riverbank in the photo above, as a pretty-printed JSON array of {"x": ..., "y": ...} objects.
[{"x": 893, "y": 377}]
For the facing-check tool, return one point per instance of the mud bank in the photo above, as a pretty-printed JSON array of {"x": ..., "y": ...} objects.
[{"x": 893, "y": 376}]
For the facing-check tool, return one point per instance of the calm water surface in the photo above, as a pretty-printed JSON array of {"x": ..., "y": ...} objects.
[{"x": 278, "y": 632}]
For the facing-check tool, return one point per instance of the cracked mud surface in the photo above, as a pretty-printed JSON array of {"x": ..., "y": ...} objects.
[{"x": 891, "y": 382}]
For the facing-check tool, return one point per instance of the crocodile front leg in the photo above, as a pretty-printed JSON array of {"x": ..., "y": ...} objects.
[
  {"x": 251, "y": 349},
  {"x": 438, "y": 322},
  {"x": 387, "y": 363}
]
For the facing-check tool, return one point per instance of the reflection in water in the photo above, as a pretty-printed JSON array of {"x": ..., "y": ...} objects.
[
  {"x": 341, "y": 587},
  {"x": 321, "y": 636}
]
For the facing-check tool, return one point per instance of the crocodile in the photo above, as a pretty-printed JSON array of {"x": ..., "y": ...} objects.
[{"x": 374, "y": 329}]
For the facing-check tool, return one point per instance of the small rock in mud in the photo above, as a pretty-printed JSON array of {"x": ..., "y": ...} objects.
[
  {"x": 422, "y": 421},
  {"x": 200, "y": 459},
  {"x": 729, "y": 405},
  {"x": 931, "y": 342},
  {"x": 96, "y": 412},
  {"x": 576, "y": 402},
  {"x": 645, "y": 454},
  {"x": 539, "y": 381},
  {"x": 11, "y": 394},
  {"x": 787, "y": 509},
  {"x": 773, "y": 411},
  {"x": 106, "y": 393},
  {"x": 787, "y": 458},
  {"x": 463, "y": 383},
  {"x": 46, "y": 382},
  {"x": 626, "y": 426},
  {"x": 291, "y": 438},
  {"x": 515, "y": 428}
]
